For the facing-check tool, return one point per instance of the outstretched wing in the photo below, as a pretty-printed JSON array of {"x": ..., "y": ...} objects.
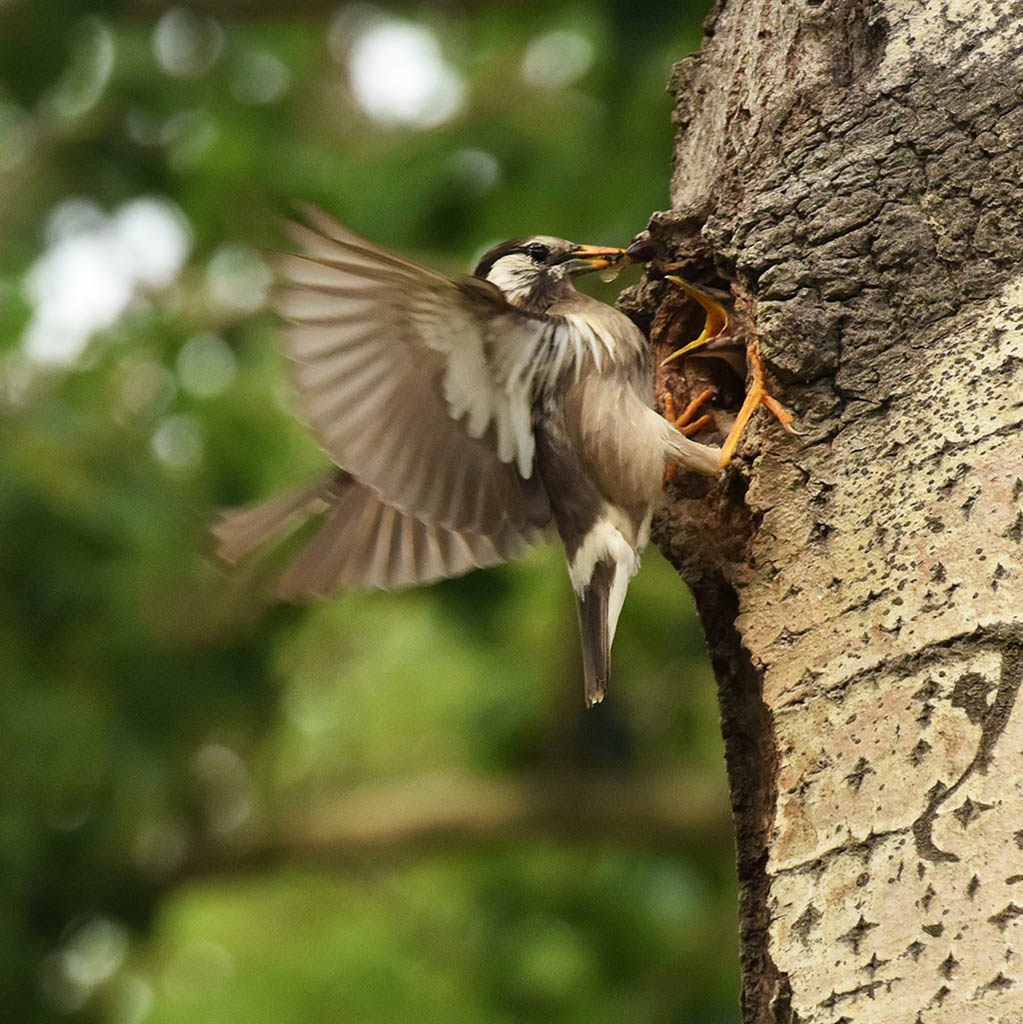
[
  {"x": 362, "y": 543},
  {"x": 413, "y": 383}
]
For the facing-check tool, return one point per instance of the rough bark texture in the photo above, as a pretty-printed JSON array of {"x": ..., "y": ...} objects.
[{"x": 852, "y": 170}]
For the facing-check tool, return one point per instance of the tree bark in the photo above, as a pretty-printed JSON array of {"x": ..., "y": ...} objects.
[{"x": 851, "y": 170}]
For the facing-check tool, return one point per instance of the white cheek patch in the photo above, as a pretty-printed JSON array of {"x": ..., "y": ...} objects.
[{"x": 514, "y": 274}]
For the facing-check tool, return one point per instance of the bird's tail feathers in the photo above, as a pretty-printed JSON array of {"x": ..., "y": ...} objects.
[
  {"x": 596, "y": 630},
  {"x": 600, "y": 568}
]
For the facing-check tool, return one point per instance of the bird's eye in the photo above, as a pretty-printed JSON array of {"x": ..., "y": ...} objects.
[{"x": 538, "y": 253}]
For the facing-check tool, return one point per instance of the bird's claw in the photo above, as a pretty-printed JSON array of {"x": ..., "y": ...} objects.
[{"x": 756, "y": 395}]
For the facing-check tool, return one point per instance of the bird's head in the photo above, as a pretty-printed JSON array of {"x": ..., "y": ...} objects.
[{"x": 533, "y": 272}]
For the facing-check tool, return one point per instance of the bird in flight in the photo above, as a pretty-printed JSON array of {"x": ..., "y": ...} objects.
[{"x": 465, "y": 419}]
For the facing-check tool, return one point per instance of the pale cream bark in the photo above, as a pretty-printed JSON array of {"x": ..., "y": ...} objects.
[{"x": 853, "y": 168}]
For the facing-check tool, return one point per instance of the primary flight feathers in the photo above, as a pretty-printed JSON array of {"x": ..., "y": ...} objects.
[{"x": 465, "y": 417}]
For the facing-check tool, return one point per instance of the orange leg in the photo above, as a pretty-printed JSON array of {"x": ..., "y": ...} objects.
[
  {"x": 757, "y": 395},
  {"x": 697, "y": 425},
  {"x": 684, "y": 423},
  {"x": 718, "y": 325}
]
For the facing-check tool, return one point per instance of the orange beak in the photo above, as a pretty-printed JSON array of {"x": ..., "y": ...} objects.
[
  {"x": 584, "y": 258},
  {"x": 716, "y": 325}
]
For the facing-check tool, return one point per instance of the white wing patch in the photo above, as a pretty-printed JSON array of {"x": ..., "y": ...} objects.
[
  {"x": 400, "y": 374},
  {"x": 477, "y": 389}
]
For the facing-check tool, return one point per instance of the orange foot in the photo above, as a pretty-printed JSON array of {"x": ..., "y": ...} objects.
[
  {"x": 757, "y": 395},
  {"x": 718, "y": 327},
  {"x": 685, "y": 423}
]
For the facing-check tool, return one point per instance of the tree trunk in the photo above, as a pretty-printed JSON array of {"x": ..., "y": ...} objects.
[{"x": 851, "y": 169}]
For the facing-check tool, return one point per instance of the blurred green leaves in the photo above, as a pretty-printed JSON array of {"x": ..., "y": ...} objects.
[
  {"x": 159, "y": 712},
  {"x": 535, "y": 933}
]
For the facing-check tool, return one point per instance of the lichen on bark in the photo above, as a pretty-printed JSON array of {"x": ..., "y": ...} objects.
[{"x": 852, "y": 168}]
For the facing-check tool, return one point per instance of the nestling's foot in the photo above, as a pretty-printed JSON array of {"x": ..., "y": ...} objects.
[
  {"x": 718, "y": 327},
  {"x": 685, "y": 424}
]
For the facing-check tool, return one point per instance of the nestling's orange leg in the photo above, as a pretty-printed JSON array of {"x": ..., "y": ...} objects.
[
  {"x": 706, "y": 420},
  {"x": 684, "y": 423},
  {"x": 719, "y": 325},
  {"x": 757, "y": 395}
]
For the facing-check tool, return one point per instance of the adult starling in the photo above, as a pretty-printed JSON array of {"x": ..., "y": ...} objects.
[{"x": 465, "y": 418}]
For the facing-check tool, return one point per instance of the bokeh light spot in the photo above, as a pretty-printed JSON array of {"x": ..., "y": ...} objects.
[
  {"x": 399, "y": 76},
  {"x": 237, "y": 279},
  {"x": 206, "y": 365},
  {"x": 557, "y": 59},
  {"x": 17, "y": 136},
  {"x": 259, "y": 78},
  {"x": 224, "y": 786},
  {"x": 177, "y": 442},
  {"x": 93, "y": 954},
  {"x": 186, "y": 45},
  {"x": 476, "y": 170},
  {"x": 94, "y": 266},
  {"x": 143, "y": 389},
  {"x": 134, "y": 1000},
  {"x": 189, "y": 135},
  {"x": 89, "y": 71},
  {"x": 153, "y": 238}
]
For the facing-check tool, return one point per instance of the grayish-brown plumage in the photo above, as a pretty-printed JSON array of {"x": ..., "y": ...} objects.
[{"x": 465, "y": 417}]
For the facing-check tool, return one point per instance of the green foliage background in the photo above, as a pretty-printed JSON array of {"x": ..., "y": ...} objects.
[{"x": 178, "y": 838}]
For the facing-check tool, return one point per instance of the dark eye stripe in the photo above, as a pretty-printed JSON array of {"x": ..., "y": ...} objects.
[{"x": 536, "y": 251}]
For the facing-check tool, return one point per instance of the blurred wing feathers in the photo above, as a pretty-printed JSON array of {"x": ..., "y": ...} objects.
[
  {"x": 362, "y": 542},
  {"x": 239, "y": 531},
  {"x": 413, "y": 382}
]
